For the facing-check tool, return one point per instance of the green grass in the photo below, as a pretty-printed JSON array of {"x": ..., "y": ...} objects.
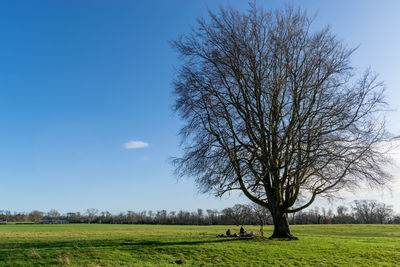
[{"x": 159, "y": 245}]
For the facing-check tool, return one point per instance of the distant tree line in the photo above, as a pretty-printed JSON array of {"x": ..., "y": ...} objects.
[{"x": 358, "y": 212}]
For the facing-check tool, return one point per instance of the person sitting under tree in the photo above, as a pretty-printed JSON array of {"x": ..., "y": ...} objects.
[
  {"x": 228, "y": 232},
  {"x": 242, "y": 232}
]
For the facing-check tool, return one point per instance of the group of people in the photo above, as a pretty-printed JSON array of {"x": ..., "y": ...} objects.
[{"x": 243, "y": 233}]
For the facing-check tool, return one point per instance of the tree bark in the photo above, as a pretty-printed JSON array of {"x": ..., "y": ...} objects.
[{"x": 281, "y": 226}]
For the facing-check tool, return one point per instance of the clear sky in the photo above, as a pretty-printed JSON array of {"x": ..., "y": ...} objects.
[{"x": 81, "y": 81}]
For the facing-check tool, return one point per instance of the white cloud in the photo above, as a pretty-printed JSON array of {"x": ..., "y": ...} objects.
[{"x": 135, "y": 144}]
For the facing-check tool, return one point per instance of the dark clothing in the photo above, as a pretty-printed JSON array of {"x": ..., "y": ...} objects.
[{"x": 242, "y": 231}]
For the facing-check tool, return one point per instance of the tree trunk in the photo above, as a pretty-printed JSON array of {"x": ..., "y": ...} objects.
[{"x": 281, "y": 226}]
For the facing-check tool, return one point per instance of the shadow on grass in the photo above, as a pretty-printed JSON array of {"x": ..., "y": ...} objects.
[
  {"x": 120, "y": 244},
  {"x": 181, "y": 243}
]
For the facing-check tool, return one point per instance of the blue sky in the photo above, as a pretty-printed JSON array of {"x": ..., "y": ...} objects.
[{"x": 81, "y": 79}]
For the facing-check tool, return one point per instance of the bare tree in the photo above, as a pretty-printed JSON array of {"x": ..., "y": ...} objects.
[
  {"x": 342, "y": 215},
  {"x": 212, "y": 216},
  {"x": 365, "y": 210},
  {"x": 53, "y": 214},
  {"x": 261, "y": 212},
  {"x": 91, "y": 214},
  {"x": 200, "y": 216},
  {"x": 341, "y": 210},
  {"x": 383, "y": 212},
  {"x": 395, "y": 219},
  {"x": 240, "y": 214},
  {"x": 276, "y": 110},
  {"x": 36, "y": 215},
  {"x": 131, "y": 216}
]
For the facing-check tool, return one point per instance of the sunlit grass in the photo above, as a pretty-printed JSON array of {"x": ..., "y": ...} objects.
[{"x": 159, "y": 245}]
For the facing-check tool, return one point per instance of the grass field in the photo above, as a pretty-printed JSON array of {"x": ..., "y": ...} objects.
[{"x": 159, "y": 245}]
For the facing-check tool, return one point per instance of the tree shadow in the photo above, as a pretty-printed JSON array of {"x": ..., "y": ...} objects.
[
  {"x": 120, "y": 244},
  {"x": 185, "y": 243}
]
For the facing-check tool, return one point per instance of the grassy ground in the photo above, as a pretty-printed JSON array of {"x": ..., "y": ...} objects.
[{"x": 147, "y": 245}]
